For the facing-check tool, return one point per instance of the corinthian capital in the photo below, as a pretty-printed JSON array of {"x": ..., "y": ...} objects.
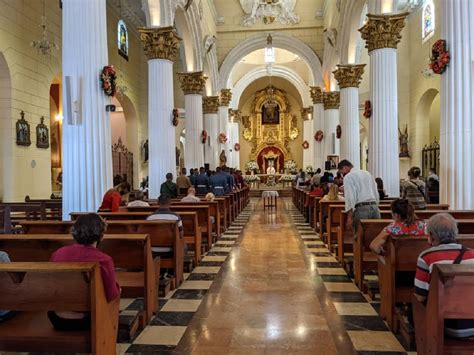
[
  {"x": 192, "y": 83},
  {"x": 160, "y": 42},
  {"x": 349, "y": 75},
  {"x": 332, "y": 100},
  {"x": 383, "y": 31},
  {"x": 226, "y": 96},
  {"x": 316, "y": 94},
  {"x": 210, "y": 104}
]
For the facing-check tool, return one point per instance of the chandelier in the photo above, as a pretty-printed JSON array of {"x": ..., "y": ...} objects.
[
  {"x": 270, "y": 101},
  {"x": 43, "y": 45}
]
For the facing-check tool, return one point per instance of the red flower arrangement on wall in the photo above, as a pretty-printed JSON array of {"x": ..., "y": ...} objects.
[
  {"x": 440, "y": 57},
  {"x": 222, "y": 138},
  {"x": 175, "y": 120},
  {"x": 319, "y": 136},
  {"x": 305, "y": 145},
  {"x": 204, "y": 136},
  {"x": 367, "y": 109},
  {"x": 236, "y": 147},
  {"x": 108, "y": 78}
]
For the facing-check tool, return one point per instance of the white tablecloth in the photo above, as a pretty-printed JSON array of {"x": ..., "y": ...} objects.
[{"x": 269, "y": 194}]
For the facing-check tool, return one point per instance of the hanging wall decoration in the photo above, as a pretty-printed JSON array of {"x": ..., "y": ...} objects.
[
  {"x": 204, "y": 136},
  {"x": 236, "y": 147},
  {"x": 42, "y": 135},
  {"x": 175, "y": 120},
  {"x": 367, "y": 109},
  {"x": 338, "y": 131},
  {"x": 108, "y": 78},
  {"x": 440, "y": 57},
  {"x": 305, "y": 145},
  {"x": 319, "y": 136},
  {"x": 23, "y": 131},
  {"x": 222, "y": 138}
]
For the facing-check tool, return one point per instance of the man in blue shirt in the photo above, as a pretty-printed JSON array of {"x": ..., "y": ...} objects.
[
  {"x": 219, "y": 182},
  {"x": 202, "y": 182}
]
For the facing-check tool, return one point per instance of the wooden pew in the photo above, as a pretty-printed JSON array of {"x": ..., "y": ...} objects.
[
  {"x": 36, "y": 288},
  {"x": 450, "y": 297},
  {"x": 214, "y": 210},
  {"x": 137, "y": 271}
]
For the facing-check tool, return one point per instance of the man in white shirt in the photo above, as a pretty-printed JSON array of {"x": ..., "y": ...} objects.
[
  {"x": 360, "y": 194},
  {"x": 191, "y": 196},
  {"x": 138, "y": 202}
]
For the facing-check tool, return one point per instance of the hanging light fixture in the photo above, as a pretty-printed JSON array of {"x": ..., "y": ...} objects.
[
  {"x": 270, "y": 101},
  {"x": 43, "y": 45}
]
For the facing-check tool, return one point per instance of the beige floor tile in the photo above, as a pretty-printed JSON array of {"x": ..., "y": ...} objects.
[
  {"x": 160, "y": 335},
  {"x": 225, "y": 242},
  {"x": 214, "y": 258},
  {"x": 121, "y": 348},
  {"x": 331, "y": 271},
  {"x": 196, "y": 285},
  {"x": 354, "y": 309},
  {"x": 341, "y": 287},
  {"x": 178, "y": 305},
  {"x": 125, "y": 302},
  {"x": 326, "y": 259},
  {"x": 186, "y": 275},
  {"x": 206, "y": 270},
  {"x": 223, "y": 249},
  {"x": 374, "y": 341}
]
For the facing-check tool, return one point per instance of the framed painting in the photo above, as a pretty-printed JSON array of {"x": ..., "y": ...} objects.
[
  {"x": 23, "y": 131},
  {"x": 42, "y": 135}
]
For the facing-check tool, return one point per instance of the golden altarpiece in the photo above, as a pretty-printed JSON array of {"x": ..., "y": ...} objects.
[{"x": 270, "y": 128}]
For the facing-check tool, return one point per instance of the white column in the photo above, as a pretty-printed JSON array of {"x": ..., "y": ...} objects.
[
  {"x": 192, "y": 85},
  {"x": 457, "y": 109},
  {"x": 318, "y": 125},
  {"x": 224, "y": 124},
  {"x": 382, "y": 34},
  {"x": 349, "y": 78},
  {"x": 211, "y": 122},
  {"x": 160, "y": 46},
  {"x": 307, "y": 136},
  {"x": 234, "y": 138},
  {"x": 87, "y": 149},
  {"x": 331, "y": 121}
]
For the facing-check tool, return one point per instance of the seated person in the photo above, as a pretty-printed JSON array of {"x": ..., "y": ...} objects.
[
  {"x": 88, "y": 232},
  {"x": 442, "y": 233},
  {"x": 169, "y": 187},
  {"x": 405, "y": 224},
  {"x": 191, "y": 196},
  {"x": 115, "y": 197},
  {"x": 333, "y": 194},
  {"x": 380, "y": 189},
  {"x": 210, "y": 197},
  {"x": 5, "y": 315},
  {"x": 138, "y": 202}
]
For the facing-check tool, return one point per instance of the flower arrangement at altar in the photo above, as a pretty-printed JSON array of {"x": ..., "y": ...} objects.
[
  {"x": 108, "y": 78},
  {"x": 236, "y": 147},
  {"x": 440, "y": 57},
  {"x": 287, "y": 178},
  {"x": 290, "y": 165},
  {"x": 305, "y": 145},
  {"x": 204, "y": 136},
  {"x": 367, "y": 109},
  {"x": 251, "y": 165},
  {"x": 309, "y": 169},
  {"x": 318, "y": 136},
  {"x": 251, "y": 178},
  {"x": 222, "y": 138}
]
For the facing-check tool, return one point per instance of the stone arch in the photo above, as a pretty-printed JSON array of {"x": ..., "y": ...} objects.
[
  {"x": 280, "y": 40},
  {"x": 6, "y": 119},
  {"x": 192, "y": 17},
  {"x": 350, "y": 36}
]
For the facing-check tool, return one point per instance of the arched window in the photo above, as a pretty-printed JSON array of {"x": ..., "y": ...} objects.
[
  {"x": 428, "y": 20},
  {"x": 122, "y": 37}
]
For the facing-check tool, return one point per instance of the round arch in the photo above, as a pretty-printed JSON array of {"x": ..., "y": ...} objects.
[
  {"x": 350, "y": 36},
  {"x": 278, "y": 71},
  {"x": 280, "y": 40}
]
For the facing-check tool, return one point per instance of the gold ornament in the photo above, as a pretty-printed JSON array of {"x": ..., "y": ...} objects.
[
  {"x": 332, "y": 100},
  {"x": 383, "y": 31},
  {"x": 192, "y": 83},
  {"x": 226, "y": 96},
  {"x": 160, "y": 43},
  {"x": 210, "y": 104},
  {"x": 349, "y": 75},
  {"x": 316, "y": 94},
  {"x": 306, "y": 113}
]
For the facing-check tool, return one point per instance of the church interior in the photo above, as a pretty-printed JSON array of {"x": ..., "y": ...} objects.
[{"x": 236, "y": 176}]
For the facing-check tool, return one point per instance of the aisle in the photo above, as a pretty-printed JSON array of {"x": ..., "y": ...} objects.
[{"x": 265, "y": 300}]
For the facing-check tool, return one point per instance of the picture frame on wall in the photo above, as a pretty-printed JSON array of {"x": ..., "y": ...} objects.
[
  {"x": 23, "y": 131},
  {"x": 334, "y": 160},
  {"x": 42, "y": 135}
]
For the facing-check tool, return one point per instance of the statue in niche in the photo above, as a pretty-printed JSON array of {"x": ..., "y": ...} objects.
[
  {"x": 403, "y": 139},
  {"x": 271, "y": 169},
  {"x": 269, "y": 10},
  {"x": 223, "y": 158}
]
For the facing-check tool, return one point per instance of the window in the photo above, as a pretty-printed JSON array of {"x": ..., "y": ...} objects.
[
  {"x": 428, "y": 20},
  {"x": 122, "y": 36}
]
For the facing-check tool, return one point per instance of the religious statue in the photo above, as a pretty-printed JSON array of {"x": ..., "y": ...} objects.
[
  {"x": 223, "y": 158},
  {"x": 403, "y": 139},
  {"x": 271, "y": 169},
  {"x": 281, "y": 10}
]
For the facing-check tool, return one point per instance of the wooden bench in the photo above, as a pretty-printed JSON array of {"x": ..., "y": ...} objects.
[
  {"x": 137, "y": 272},
  {"x": 11, "y": 213},
  {"x": 36, "y": 288},
  {"x": 450, "y": 297}
]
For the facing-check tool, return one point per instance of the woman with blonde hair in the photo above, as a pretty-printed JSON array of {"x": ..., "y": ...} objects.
[{"x": 333, "y": 194}]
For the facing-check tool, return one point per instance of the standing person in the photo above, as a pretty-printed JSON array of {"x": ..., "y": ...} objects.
[
  {"x": 191, "y": 196},
  {"x": 201, "y": 182},
  {"x": 316, "y": 177},
  {"x": 301, "y": 179},
  {"x": 169, "y": 188},
  {"x": 115, "y": 197},
  {"x": 360, "y": 193},
  {"x": 432, "y": 175},
  {"x": 414, "y": 189},
  {"x": 218, "y": 182},
  {"x": 183, "y": 182},
  {"x": 380, "y": 188}
]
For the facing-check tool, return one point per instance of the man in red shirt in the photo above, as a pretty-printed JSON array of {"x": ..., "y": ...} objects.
[{"x": 114, "y": 197}]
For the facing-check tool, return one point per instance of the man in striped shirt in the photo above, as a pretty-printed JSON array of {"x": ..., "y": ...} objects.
[{"x": 442, "y": 232}]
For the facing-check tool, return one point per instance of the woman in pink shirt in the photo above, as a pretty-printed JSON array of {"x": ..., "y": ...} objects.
[{"x": 88, "y": 231}]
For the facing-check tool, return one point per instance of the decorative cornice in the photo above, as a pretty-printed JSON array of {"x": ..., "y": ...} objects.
[
  {"x": 226, "y": 97},
  {"x": 307, "y": 113},
  {"x": 349, "y": 75},
  {"x": 332, "y": 100},
  {"x": 192, "y": 83},
  {"x": 160, "y": 43},
  {"x": 210, "y": 104},
  {"x": 316, "y": 94},
  {"x": 383, "y": 31}
]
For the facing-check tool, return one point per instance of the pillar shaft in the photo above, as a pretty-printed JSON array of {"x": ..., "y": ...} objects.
[
  {"x": 318, "y": 124},
  {"x": 211, "y": 123},
  {"x": 331, "y": 121}
]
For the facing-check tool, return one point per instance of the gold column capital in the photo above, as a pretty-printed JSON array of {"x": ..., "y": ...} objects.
[
  {"x": 332, "y": 100},
  {"x": 226, "y": 96},
  {"x": 383, "y": 31},
  {"x": 160, "y": 42},
  {"x": 349, "y": 75},
  {"x": 316, "y": 94},
  {"x": 210, "y": 104},
  {"x": 193, "y": 82},
  {"x": 306, "y": 113},
  {"x": 234, "y": 115}
]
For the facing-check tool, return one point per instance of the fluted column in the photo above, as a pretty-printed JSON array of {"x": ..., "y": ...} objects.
[
  {"x": 86, "y": 143},
  {"x": 349, "y": 78},
  {"x": 192, "y": 85},
  {"x": 225, "y": 98},
  {"x": 210, "y": 107},
  {"x": 382, "y": 34},
  {"x": 161, "y": 47},
  {"x": 457, "y": 110},
  {"x": 234, "y": 137},
  {"x": 331, "y": 101},
  {"x": 307, "y": 116},
  {"x": 318, "y": 124}
]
